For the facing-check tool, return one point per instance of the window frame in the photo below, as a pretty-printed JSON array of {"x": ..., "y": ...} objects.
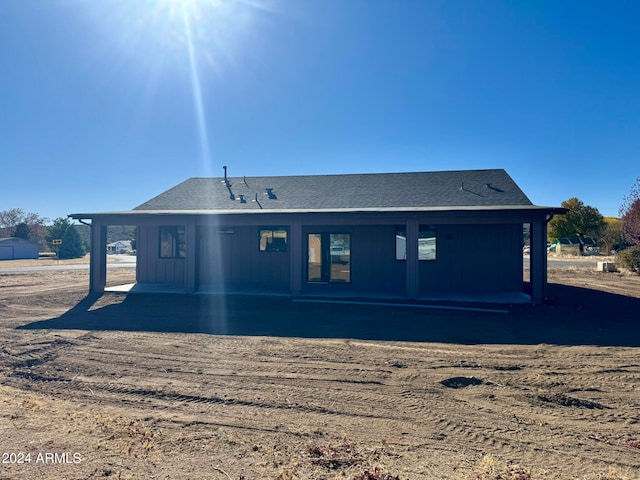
[
  {"x": 400, "y": 231},
  {"x": 424, "y": 231},
  {"x": 327, "y": 259},
  {"x": 273, "y": 229},
  {"x": 177, "y": 235},
  {"x": 427, "y": 229}
]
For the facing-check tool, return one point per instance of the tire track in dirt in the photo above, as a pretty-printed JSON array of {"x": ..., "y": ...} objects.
[{"x": 509, "y": 386}]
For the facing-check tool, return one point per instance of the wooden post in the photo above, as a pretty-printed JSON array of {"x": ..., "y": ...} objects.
[
  {"x": 98, "y": 260},
  {"x": 298, "y": 256},
  {"x": 191, "y": 260},
  {"x": 538, "y": 261},
  {"x": 412, "y": 264}
]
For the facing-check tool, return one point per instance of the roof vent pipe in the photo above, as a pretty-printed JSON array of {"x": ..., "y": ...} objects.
[{"x": 225, "y": 174}]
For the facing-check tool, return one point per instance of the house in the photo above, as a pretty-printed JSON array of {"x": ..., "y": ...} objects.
[
  {"x": 420, "y": 235},
  {"x": 576, "y": 246},
  {"x": 119, "y": 247},
  {"x": 14, "y": 248}
]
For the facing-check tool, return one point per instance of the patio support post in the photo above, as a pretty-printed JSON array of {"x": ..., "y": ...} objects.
[
  {"x": 98, "y": 258},
  {"x": 413, "y": 277},
  {"x": 297, "y": 257},
  {"x": 190, "y": 270},
  {"x": 538, "y": 261}
]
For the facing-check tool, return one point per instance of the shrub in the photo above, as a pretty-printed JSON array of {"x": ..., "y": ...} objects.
[{"x": 629, "y": 258}]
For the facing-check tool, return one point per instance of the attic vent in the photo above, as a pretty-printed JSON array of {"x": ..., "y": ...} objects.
[
  {"x": 270, "y": 194},
  {"x": 242, "y": 199}
]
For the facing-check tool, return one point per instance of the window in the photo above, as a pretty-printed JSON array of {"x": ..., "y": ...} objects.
[
  {"x": 329, "y": 258},
  {"x": 401, "y": 243},
  {"x": 273, "y": 239},
  {"x": 426, "y": 243},
  {"x": 172, "y": 242}
]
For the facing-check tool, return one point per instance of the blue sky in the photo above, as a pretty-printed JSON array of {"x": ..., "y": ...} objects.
[{"x": 107, "y": 103}]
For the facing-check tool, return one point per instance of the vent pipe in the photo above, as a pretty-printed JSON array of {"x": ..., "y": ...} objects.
[{"x": 225, "y": 174}]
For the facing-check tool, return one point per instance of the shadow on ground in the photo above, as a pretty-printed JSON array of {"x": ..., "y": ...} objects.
[{"x": 573, "y": 316}]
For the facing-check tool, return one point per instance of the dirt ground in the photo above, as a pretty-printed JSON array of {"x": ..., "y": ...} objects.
[{"x": 201, "y": 387}]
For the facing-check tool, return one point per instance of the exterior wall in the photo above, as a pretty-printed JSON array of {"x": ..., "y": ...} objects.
[
  {"x": 474, "y": 259},
  {"x": 475, "y": 254},
  {"x": 150, "y": 267},
  {"x": 374, "y": 269},
  {"x": 16, "y": 249},
  {"x": 229, "y": 258},
  {"x": 573, "y": 249}
]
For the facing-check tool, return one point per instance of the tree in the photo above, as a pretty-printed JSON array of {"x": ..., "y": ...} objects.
[
  {"x": 72, "y": 246},
  {"x": 21, "y": 231},
  {"x": 611, "y": 236},
  {"x": 56, "y": 232},
  {"x": 630, "y": 214},
  {"x": 580, "y": 221},
  {"x": 10, "y": 219}
]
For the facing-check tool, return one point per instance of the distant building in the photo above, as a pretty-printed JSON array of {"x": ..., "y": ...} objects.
[
  {"x": 119, "y": 247},
  {"x": 423, "y": 235},
  {"x": 575, "y": 246},
  {"x": 14, "y": 248}
]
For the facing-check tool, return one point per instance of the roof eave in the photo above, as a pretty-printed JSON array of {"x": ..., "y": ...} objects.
[{"x": 373, "y": 210}]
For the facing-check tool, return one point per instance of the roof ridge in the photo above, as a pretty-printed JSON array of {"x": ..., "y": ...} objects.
[{"x": 316, "y": 175}]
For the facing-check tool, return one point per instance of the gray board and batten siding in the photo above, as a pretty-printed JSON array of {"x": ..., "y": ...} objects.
[{"x": 460, "y": 233}]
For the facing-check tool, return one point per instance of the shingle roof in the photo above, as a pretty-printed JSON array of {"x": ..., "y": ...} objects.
[
  {"x": 576, "y": 241},
  {"x": 465, "y": 188},
  {"x": 14, "y": 240}
]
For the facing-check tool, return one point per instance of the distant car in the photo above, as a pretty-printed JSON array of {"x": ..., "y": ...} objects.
[{"x": 337, "y": 252}]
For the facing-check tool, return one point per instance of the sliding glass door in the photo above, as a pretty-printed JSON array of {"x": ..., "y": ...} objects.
[{"x": 329, "y": 258}]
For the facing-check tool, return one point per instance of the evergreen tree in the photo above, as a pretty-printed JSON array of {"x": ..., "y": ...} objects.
[
  {"x": 21, "y": 231},
  {"x": 72, "y": 246},
  {"x": 56, "y": 232}
]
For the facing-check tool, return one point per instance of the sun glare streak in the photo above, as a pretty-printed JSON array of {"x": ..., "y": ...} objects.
[
  {"x": 196, "y": 93},
  {"x": 218, "y": 311}
]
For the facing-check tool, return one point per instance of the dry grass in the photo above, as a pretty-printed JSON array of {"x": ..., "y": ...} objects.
[{"x": 48, "y": 262}]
